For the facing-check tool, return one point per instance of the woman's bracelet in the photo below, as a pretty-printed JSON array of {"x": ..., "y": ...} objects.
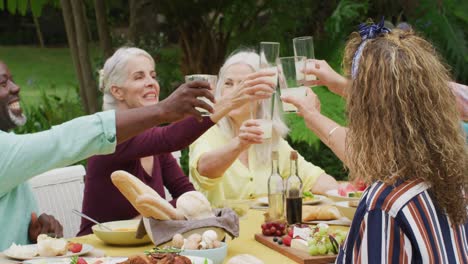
[{"x": 331, "y": 132}]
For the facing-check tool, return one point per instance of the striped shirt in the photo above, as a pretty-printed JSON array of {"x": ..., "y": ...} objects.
[{"x": 400, "y": 224}]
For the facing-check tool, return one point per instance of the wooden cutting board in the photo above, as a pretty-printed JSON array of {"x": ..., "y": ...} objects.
[{"x": 298, "y": 256}]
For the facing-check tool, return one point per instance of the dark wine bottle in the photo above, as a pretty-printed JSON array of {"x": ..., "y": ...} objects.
[{"x": 293, "y": 193}]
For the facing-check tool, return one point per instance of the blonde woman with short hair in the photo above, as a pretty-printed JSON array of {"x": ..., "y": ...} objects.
[{"x": 128, "y": 81}]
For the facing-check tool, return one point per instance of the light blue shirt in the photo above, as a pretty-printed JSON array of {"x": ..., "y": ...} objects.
[{"x": 24, "y": 156}]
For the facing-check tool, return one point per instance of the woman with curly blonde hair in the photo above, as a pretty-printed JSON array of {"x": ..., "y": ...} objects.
[{"x": 404, "y": 139}]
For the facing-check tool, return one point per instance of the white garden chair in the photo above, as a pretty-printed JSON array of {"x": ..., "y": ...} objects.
[
  {"x": 176, "y": 155},
  {"x": 59, "y": 191}
]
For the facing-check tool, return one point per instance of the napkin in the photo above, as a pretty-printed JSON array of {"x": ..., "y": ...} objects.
[{"x": 164, "y": 230}]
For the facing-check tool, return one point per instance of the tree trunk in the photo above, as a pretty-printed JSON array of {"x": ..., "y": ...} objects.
[
  {"x": 202, "y": 51},
  {"x": 71, "y": 36},
  {"x": 83, "y": 55},
  {"x": 38, "y": 31},
  {"x": 140, "y": 12},
  {"x": 89, "y": 36},
  {"x": 103, "y": 28}
]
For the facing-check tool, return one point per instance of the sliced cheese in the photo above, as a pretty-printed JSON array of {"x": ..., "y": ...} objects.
[{"x": 300, "y": 244}]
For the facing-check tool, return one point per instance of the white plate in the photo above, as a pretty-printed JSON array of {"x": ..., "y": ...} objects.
[
  {"x": 333, "y": 194},
  {"x": 343, "y": 221},
  {"x": 106, "y": 260},
  {"x": 86, "y": 249},
  {"x": 317, "y": 199}
]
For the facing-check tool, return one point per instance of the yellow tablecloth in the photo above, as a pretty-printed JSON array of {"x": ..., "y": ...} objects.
[{"x": 244, "y": 244}]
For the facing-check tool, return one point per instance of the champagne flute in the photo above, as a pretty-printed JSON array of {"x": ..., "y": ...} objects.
[
  {"x": 304, "y": 46},
  {"x": 269, "y": 52},
  {"x": 291, "y": 73},
  {"x": 211, "y": 79}
]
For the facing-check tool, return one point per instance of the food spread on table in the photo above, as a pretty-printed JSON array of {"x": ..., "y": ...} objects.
[
  {"x": 46, "y": 247},
  {"x": 158, "y": 258},
  {"x": 306, "y": 244},
  {"x": 80, "y": 260},
  {"x": 318, "y": 240},
  {"x": 208, "y": 240},
  {"x": 21, "y": 252},
  {"x": 167, "y": 255},
  {"x": 351, "y": 190},
  {"x": 307, "y": 196},
  {"x": 76, "y": 260},
  {"x": 322, "y": 212},
  {"x": 190, "y": 206}
]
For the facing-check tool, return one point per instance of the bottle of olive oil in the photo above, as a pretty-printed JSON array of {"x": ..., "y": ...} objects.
[{"x": 275, "y": 190}]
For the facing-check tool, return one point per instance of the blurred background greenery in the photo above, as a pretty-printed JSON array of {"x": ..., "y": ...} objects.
[{"x": 196, "y": 36}]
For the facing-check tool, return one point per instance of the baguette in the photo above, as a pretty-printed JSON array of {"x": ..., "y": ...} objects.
[
  {"x": 157, "y": 208},
  {"x": 130, "y": 186},
  {"x": 148, "y": 210},
  {"x": 325, "y": 212},
  {"x": 133, "y": 189}
]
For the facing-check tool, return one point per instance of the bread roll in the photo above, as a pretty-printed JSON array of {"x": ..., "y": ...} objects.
[
  {"x": 325, "y": 212},
  {"x": 145, "y": 200},
  {"x": 194, "y": 205}
]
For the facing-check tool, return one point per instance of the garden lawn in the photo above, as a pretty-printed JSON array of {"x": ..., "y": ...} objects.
[{"x": 33, "y": 69}]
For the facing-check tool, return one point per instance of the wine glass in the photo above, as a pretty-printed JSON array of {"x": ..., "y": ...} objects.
[
  {"x": 211, "y": 79},
  {"x": 291, "y": 73},
  {"x": 304, "y": 46}
]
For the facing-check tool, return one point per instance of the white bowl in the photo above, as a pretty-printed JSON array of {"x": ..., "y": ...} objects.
[
  {"x": 123, "y": 233},
  {"x": 217, "y": 255}
]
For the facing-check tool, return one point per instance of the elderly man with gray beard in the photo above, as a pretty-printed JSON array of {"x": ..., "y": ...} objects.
[{"x": 24, "y": 156}]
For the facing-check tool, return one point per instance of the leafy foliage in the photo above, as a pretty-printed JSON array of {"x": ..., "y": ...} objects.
[
  {"x": 21, "y": 6},
  {"x": 309, "y": 145},
  {"x": 332, "y": 106},
  {"x": 50, "y": 110},
  {"x": 344, "y": 16},
  {"x": 169, "y": 73},
  {"x": 445, "y": 24}
]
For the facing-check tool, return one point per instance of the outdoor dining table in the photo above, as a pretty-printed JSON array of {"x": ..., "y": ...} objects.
[{"x": 250, "y": 224}]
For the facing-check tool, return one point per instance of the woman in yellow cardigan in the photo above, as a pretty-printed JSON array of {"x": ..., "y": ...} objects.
[{"x": 231, "y": 160}]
